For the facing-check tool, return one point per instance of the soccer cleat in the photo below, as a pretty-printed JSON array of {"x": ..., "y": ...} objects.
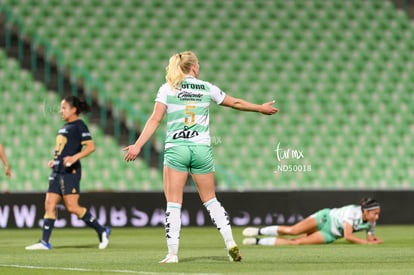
[
  {"x": 234, "y": 254},
  {"x": 251, "y": 231},
  {"x": 41, "y": 245},
  {"x": 250, "y": 241},
  {"x": 104, "y": 240},
  {"x": 169, "y": 259}
]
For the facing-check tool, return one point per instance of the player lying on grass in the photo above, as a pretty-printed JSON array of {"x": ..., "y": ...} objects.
[{"x": 323, "y": 227}]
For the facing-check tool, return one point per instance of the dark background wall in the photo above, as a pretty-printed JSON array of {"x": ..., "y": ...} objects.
[{"x": 25, "y": 210}]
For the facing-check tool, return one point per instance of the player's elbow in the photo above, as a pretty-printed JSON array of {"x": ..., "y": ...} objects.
[
  {"x": 237, "y": 104},
  {"x": 231, "y": 102},
  {"x": 349, "y": 238},
  {"x": 91, "y": 148},
  {"x": 155, "y": 120},
  {"x": 355, "y": 240}
]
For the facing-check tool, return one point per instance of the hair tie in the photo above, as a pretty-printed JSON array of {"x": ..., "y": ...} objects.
[{"x": 371, "y": 206}]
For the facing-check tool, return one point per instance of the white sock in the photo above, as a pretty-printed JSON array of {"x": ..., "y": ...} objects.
[
  {"x": 221, "y": 219},
  {"x": 267, "y": 241},
  {"x": 173, "y": 227},
  {"x": 269, "y": 230}
]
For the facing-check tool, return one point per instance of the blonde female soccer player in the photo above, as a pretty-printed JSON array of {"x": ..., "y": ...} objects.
[
  {"x": 186, "y": 100},
  {"x": 323, "y": 227}
]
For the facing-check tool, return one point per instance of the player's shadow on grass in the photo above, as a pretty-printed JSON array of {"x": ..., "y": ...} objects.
[
  {"x": 204, "y": 259},
  {"x": 75, "y": 246}
]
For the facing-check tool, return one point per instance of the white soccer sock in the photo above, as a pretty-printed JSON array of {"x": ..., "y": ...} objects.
[
  {"x": 220, "y": 218},
  {"x": 173, "y": 227},
  {"x": 267, "y": 241},
  {"x": 269, "y": 230}
]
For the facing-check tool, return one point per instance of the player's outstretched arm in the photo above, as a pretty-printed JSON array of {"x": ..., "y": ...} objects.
[
  {"x": 5, "y": 161},
  {"x": 243, "y": 105},
  {"x": 349, "y": 236},
  {"x": 132, "y": 151}
]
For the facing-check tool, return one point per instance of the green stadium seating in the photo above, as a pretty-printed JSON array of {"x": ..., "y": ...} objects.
[
  {"x": 28, "y": 134},
  {"x": 338, "y": 70}
]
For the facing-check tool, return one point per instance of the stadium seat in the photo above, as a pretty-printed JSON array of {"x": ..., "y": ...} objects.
[
  {"x": 339, "y": 71},
  {"x": 32, "y": 121}
]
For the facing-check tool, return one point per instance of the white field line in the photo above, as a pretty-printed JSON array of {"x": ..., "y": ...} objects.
[{"x": 101, "y": 270}]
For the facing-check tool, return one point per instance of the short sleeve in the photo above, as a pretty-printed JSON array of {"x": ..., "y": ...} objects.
[
  {"x": 84, "y": 131},
  {"x": 371, "y": 229},
  {"x": 217, "y": 95},
  {"x": 162, "y": 94},
  {"x": 349, "y": 216}
]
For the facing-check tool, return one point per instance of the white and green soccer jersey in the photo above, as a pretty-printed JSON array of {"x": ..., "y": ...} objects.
[
  {"x": 188, "y": 111},
  {"x": 351, "y": 214}
]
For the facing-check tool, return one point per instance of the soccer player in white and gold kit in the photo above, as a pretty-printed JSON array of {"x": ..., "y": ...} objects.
[
  {"x": 322, "y": 227},
  {"x": 186, "y": 100}
]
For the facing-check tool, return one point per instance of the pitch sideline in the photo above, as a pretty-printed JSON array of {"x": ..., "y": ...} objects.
[{"x": 99, "y": 270}]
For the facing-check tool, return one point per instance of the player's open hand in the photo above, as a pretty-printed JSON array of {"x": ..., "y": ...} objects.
[
  {"x": 268, "y": 108},
  {"x": 374, "y": 240},
  {"x": 7, "y": 171},
  {"x": 69, "y": 161},
  {"x": 132, "y": 152}
]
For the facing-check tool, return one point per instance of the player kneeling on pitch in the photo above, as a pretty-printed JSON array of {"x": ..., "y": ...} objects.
[{"x": 323, "y": 227}]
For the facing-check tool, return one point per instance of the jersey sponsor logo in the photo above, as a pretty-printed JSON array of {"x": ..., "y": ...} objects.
[
  {"x": 185, "y": 134},
  {"x": 193, "y": 86},
  {"x": 86, "y": 134},
  {"x": 187, "y": 96}
]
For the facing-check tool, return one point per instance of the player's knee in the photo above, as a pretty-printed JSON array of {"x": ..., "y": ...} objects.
[
  {"x": 292, "y": 241},
  {"x": 50, "y": 208},
  {"x": 74, "y": 209},
  {"x": 291, "y": 231}
]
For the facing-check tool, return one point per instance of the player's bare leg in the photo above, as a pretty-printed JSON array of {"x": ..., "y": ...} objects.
[
  {"x": 313, "y": 238},
  {"x": 72, "y": 206},
  {"x": 306, "y": 226},
  {"x": 51, "y": 201},
  {"x": 174, "y": 182},
  {"x": 206, "y": 190}
]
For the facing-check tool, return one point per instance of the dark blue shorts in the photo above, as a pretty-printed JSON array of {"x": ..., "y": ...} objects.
[{"x": 65, "y": 183}]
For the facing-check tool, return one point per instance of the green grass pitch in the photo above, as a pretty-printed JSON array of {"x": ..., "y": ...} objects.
[{"x": 138, "y": 250}]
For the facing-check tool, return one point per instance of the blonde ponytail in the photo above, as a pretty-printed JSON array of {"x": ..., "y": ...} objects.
[{"x": 178, "y": 67}]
